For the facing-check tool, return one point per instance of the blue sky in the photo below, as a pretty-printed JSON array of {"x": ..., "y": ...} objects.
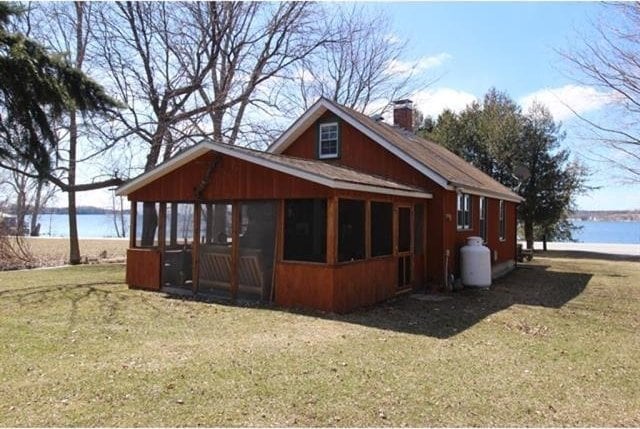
[
  {"x": 474, "y": 46},
  {"x": 511, "y": 46}
]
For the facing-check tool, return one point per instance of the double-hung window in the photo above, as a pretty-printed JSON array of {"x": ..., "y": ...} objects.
[
  {"x": 464, "y": 211},
  {"x": 502, "y": 229},
  {"x": 328, "y": 141}
]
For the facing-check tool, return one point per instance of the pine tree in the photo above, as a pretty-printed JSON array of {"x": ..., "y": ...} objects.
[
  {"x": 520, "y": 150},
  {"x": 36, "y": 88}
]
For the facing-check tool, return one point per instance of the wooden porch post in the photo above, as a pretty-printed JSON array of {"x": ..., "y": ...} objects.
[
  {"x": 332, "y": 230},
  {"x": 209, "y": 226},
  {"x": 195, "y": 248},
  {"x": 162, "y": 232},
  {"x": 367, "y": 229},
  {"x": 132, "y": 224},
  {"x": 235, "y": 247},
  {"x": 277, "y": 254},
  {"x": 173, "y": 235}
]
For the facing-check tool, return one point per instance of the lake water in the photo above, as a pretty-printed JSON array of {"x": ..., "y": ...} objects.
[
  {"x": 607, "y": 232},
  {"x": 89, "y": 225},
  {"x": 98, "y": 226}
]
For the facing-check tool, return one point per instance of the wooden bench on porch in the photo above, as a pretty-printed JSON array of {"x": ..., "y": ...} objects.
[{"x": 215, "y": 269}]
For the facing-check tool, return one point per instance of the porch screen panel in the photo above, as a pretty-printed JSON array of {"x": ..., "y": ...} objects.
[
  {"x": 404, "y": 229},
  {"x": 215, "y": 249},
  {"x": 178, "y": 256},
  {"x": 305, "y": 230},
  {"x": 381, "y": 229},
  {"x": 350, "y": 230},
  {"x": 147, "y": 224},
  {"x": 256, "y": 249}
]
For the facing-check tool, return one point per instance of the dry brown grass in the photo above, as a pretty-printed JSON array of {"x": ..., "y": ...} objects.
[
  {"x": 55, "y": 251},
  {"x": 556, "y": 343}
]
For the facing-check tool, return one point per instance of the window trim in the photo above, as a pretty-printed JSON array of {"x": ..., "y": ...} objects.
[
  {"x": 467, "y": 204},
  {"x": 322, "y": 125},
  {"x": 502, "y": 222}
]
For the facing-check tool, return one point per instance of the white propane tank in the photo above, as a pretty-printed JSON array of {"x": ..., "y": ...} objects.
[{"x": 476, "y": 263}]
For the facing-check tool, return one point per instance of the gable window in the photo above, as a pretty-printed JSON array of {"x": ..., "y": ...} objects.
[
  {"x": 464, "y": 211},
  {"x": 502, "y": 228},
  {"x": 483, "y": 218},
  {"x": 328, "y": 140}
]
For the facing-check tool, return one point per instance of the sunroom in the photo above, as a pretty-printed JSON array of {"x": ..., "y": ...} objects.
[{"x": 228, "y": 222}]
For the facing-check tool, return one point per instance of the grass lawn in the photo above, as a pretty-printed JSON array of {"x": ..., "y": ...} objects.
[{"x": 555, "y": 343}]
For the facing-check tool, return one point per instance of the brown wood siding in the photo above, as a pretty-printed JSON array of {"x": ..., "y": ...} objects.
[
  {"x": 232, "y": 179},
  {"x": 504, "y": 249},
  {"x": 304, "y": 285},
  {"x": 364, "y": 283},
  {"x": 143, "y": 269},
  {"x": 359, "y": 151}
]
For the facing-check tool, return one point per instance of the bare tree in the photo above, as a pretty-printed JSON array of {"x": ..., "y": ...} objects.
[
  {"x": 610, "y": 61},
  {"x": 27, "y": 194},
  {"x": 192, "y": 70},
  {"x": 66, "y": 28},
  {"x": 361, "y": 65}
]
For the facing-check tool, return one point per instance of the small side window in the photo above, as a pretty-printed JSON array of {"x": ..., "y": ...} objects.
[
  {"x": 328, "y": 141},
  {"x": 502, "y": 229},
  {"x": 464, "y": 211}
]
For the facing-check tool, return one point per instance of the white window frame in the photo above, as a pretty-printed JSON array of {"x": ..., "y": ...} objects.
[
  {"x": 335, "y": 154},
  {"x": 502, "y": 222},
  {"x": 463, "y": 207}
]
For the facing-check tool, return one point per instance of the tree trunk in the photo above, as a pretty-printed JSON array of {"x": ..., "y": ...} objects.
[
  {"x": 149, "y": 224},
  {"x": 35, "y": 213},
  {"x": 74, "y": 245},
  {"x": 528, "y": 233},
  {"x": 544, "y": 242},
  {"x": 21, "y": 212}
]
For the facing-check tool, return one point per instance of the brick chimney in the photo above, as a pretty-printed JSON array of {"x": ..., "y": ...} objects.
[{"x": 403, "y": 114}]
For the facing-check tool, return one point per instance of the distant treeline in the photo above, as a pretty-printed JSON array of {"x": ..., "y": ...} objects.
[
  {"x": 611, "y": 215},
  {"x": 81, "y": 210}
]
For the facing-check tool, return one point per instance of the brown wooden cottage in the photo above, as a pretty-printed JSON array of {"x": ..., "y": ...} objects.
[{"x": 342, "y": 211}]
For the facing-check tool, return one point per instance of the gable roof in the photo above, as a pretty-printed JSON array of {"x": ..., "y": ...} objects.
[
  {"x": 330, "y": 175},
  {"x": 434, "y": 161}
]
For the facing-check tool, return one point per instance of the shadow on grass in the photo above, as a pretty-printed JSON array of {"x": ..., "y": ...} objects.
[
  {"x": 110, "y": 300},
  {"x": 527, "y": 285}
]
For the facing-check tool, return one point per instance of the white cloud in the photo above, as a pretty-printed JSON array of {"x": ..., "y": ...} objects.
[
  {"x": 563, "y": 101},
  {"x": 417, "y": 66},
  {"x": 431, "y": 102}
]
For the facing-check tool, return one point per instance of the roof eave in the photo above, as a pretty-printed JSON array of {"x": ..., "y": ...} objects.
[
  {"x": 207, "y": 146},
  {"x": 488, "y": 193}
]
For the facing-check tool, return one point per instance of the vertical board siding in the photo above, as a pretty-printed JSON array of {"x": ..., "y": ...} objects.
[
  {"x": 143, "y": 269},
  {"x": 231, "y": 179},
  {"x": 364, "y": 283},
  {"x": 303, "y": 285}
]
